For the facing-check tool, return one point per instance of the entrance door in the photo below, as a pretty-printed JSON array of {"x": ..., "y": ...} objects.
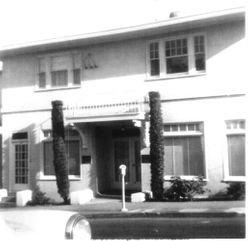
[
  {"x": 127, "y": 151},
  {"x": 21, "y": 165}
]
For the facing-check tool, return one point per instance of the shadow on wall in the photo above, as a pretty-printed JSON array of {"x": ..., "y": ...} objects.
[{"x": 35, "y": 162}]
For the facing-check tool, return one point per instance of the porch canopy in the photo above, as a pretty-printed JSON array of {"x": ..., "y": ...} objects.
[{"x": 106, "y": 108}]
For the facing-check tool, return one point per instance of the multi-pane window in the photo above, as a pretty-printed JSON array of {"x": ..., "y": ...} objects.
[
  {"x": 154, "y": 59},
  {"x": 72, "y": 149},
  {"x": 176, "y": 52},
  {"x": 182, "y": 55},
  {"x": 183, "y": 150},
  {"x": 21, "y": 163},
  {"x": 21, "y": 157},
  {"x": 236, "y": 147},
  {"x": 59, "y": 71},
  {"x": 59, "y": 78},
  {"x": 199, "y": 50}
]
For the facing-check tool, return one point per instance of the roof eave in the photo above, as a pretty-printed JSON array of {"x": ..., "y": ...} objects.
[{"x": 171, "y": 25}]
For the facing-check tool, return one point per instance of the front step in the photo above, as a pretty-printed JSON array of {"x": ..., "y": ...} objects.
[
  {"x": 7, "y": 204},
  {"x": 9, "y": 201}
]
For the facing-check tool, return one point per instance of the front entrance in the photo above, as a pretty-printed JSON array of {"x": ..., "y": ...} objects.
[{"x": 126, "y": 150}]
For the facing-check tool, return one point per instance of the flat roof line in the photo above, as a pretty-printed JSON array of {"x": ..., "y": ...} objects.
[{"x": 124, "y": 30}]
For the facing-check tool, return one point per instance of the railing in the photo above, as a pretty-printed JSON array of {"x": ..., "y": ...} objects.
[{"x": 114, "y": 109}]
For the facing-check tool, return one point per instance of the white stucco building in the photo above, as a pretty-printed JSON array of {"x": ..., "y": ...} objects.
[{"x": 195, "y": 63}]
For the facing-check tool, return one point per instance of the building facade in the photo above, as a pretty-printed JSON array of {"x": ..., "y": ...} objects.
[{"x": 103, "y": 79}]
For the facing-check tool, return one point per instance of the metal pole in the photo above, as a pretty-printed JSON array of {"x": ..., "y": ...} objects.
[
  {"x": 124, "y": 209},
  {"x": 123, "y": 173}
]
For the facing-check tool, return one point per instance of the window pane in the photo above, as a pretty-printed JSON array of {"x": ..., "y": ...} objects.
[
  {"x": 167, "y": 127},
  {"x": 154, "y": 59},
  {"x": 176, "y": 47},
  {"x": 242, "y": 124},
  {"x": 168, "y": 156},
  {"x": 59, "y": 78},
  {"x": 236, "y": 155},
  {"x": 177, "y": 65},
  {"x": 174, "y": 127},
  {"x": 42, "y": 80},
  {"x": 155, "y": 67},
  {"x": 20, "y": 136},
  {"x": 183, "y": 156},
  {"x": 73, "y": 157},
  {"x": 48, "y": 159},
  {"x": 191, "y": 127},
  {"x": 180, "y": 156},
  {"x": 200, "y": 62},
  {"x": 199, "y": 48},
  {"x": 76, "y": 76},
  {"x": 196, "y": 166},
  {"x": 183, "y": 127},
  {"x": 21, "y": 163}
]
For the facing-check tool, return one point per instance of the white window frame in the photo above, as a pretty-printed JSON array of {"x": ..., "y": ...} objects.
[
  {"x": 229, "y": 132},
  {"x": 187, "y": 133},
  {"x": 47, "y": 58},
  {"x": 49, "y": 139},
  {"x": 191, "y": 57}
]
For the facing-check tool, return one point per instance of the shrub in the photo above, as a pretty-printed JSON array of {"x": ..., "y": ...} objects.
[
  {"x": 236, "y": 190},
  {"x": 156, "y": 145},
  {"x": 39, "y": 198},
  {"x": 184, "y": 190},
  {"x": 60, "y": 161}
]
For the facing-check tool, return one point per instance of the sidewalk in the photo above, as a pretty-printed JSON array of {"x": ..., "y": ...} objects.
[{"x": 103, "y": 207}]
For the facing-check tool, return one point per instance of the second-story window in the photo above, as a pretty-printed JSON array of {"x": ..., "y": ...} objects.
[
  {"x": 59, "y": 78},
  {"x": 42, "y": 80},
  {"x": 154, "y": 59},
  {"x": 59, "y": 70},
  {"x": 199, "y": 50},
  {"x": 177, "y": 56},
  {"x": 76, "y": 76}
]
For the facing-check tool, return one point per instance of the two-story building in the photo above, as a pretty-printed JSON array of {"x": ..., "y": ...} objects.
[{"x": 103, "y": 79}]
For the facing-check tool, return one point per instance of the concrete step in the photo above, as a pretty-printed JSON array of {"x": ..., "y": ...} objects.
[
  {"x": 7, "y": 204},
  {"x": 9, "y": 199}
]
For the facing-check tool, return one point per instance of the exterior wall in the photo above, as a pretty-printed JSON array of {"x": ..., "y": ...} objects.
[
  {"x": 33, "y": 124},
  {"x": 122, "y": 74},
  {"x": 209, "y": 112},
  {"x": 1, "y": 171},
  {"x": 121, "y": 65}
]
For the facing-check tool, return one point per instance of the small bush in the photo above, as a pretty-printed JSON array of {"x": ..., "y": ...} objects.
[
  {"x": 39, "y": 198},
  {"x": 236, "y": 190},
  {"x": 184, "y": 190}
]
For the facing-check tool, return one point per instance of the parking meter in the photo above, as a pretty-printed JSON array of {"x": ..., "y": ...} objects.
[
  {"x": 123, "y": 169},
  {"x": 123, "y": 173}
]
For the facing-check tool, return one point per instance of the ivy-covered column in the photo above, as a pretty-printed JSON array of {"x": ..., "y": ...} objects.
[
  {"x": 60, "y": 161},
  {"x": 156, "y": 145}
]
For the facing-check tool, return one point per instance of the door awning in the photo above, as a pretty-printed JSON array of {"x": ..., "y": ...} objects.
[{"x": 105, "y": 112}]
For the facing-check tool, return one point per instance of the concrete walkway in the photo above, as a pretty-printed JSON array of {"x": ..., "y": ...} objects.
[{"x": 103, "y": 207}]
